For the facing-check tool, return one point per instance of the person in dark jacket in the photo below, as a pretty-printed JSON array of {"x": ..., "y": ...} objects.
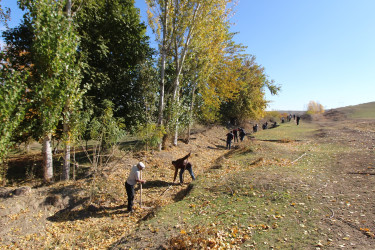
[
  {"x": 183, "y": 165},
  {"x": 255, "y": 128},
  {"x": 229, "y": 139},
  {"x": 242, "y": 134}
]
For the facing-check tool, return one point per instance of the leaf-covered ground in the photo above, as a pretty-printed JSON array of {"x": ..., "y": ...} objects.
[
  {"x": 308, "y": 186},
  {"x": 61, "y": 215}
]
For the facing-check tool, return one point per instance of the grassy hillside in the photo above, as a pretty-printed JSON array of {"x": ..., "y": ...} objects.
[{"x": 361, "y": 111}]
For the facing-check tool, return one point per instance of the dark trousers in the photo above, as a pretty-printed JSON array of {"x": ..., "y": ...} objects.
[
  {"x": 228, "y": 144},
  {"x": 188, "y": 168},
  {"x": 130, "y": 192}
]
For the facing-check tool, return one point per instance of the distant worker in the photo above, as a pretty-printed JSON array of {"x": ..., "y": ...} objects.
[
  {"x": 242, "y": 134},
  {"x": 229, "y": 139},
  {"x": 183, "y": 164},
  {"x": 255, "y": 128},
  {"x": 134, "y": 178},
  {"x": 235, "y": 134},
  {"x": 298, "y": 118},
  {"x": 265, "y": 125}
]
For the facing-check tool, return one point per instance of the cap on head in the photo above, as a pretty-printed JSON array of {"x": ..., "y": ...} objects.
[{"x": 141, "y": 165}]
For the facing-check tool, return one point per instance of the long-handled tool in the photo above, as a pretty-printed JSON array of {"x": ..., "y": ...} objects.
[{"x": 140, "y": 198}]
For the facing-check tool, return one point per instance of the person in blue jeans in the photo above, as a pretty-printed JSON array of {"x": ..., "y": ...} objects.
[{"x": 183, "y": 165}]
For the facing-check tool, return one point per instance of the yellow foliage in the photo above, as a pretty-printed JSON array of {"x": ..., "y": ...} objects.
[{"x": 315, "y": 108}]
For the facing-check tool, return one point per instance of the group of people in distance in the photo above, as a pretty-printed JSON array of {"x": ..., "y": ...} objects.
[
  {"x": 134, "y": 177},
  {"x": 233, "y": 135},
  {"x": 297, "y": 118}
]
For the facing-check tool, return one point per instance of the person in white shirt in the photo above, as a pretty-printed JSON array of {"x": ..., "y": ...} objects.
[{"x": 134, "y": 178}]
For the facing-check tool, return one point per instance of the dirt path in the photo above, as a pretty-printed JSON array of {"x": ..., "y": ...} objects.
[{"x": 349, "y": 193}]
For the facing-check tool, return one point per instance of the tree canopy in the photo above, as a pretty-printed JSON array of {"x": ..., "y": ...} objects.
[{"x": 73, "y": 58}]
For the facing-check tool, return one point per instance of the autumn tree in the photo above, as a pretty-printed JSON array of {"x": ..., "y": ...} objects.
[
  {"x": 249, "y": 102},
  {"x": 178, "y": 25},
  {"x": 315, "y": 108}
]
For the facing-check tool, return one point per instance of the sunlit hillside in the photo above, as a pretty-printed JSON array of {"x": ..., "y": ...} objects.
[{"x": 361, "y": 111}]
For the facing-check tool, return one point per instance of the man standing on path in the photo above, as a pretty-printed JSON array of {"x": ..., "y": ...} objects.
[
  {"x": 298, "y": 118},
  {"x": 134, "y": 178},
  {"x": 229, "y": 139},
  {"x": 242, "y": 134}
]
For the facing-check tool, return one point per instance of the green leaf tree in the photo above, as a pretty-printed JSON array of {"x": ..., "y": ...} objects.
[
  {"x": 54, "y": 54},
  {"x": 113, "y": 45},
  {"x": 12, "y": 108}
]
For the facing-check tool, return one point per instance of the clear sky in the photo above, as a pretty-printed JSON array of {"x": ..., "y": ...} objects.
[{"x": 317, "y": 50}]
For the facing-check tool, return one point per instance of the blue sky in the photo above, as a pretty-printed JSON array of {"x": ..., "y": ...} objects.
[{"x": 317, "y": 50}]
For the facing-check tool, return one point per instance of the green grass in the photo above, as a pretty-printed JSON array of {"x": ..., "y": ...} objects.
[
  {"x": 264, "y": 195},
  {"x": 258, "y": 198},
  {"x": 362, "y": 111},
  {"x": 242, "y": 214},
  {"x": 287, "y": 131}
]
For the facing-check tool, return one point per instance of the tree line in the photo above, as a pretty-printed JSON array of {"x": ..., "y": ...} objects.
[{"x": 81, "y": 70}]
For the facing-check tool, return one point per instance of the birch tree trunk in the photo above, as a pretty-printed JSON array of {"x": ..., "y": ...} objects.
[{"x": 47, "y": 158}]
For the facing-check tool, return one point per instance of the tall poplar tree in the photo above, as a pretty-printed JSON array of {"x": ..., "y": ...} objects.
[
  {"x": 177, "y": 24},
  {"x": 54, "y": 54}
]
